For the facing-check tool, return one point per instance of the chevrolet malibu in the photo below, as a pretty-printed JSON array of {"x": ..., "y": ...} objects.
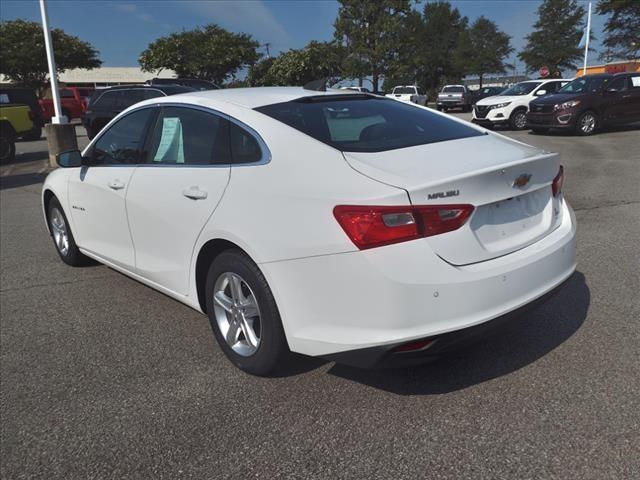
[{"x": 330, "y": 223}]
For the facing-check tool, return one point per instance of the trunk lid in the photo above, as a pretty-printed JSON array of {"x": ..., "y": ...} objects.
[{"x": 482, "y": 171}]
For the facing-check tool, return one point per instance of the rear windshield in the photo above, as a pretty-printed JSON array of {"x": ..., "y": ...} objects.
[
  {"x": 453, "y": 89},
  {"x": 404, "y": 90},
  {"x": 366, "y": 124},
  {"x": 585, "y": 85}
]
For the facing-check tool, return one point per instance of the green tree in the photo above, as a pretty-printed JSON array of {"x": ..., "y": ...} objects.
[
  {"x": 297, "y": 67},
  {"x": 483, "y": 49},
  {"x": 371, "y": 31},
  {"x": 622, "y": 29},
  {"x": 438, "y": 41},
  {"x": 209, "y": 53},
  {"x": 554, "y": 41},
  {"x": 258, "y": 75},
  {"x": 23, "y": 58}
]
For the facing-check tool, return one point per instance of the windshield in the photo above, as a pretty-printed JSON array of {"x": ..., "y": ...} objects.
[
  {"x": 453, "y": 89},
  {"x": 404, "y": 90},
  {"x": 585, "y": 85},
  {"x": 359, "y": 123},
  {"x": 524, "y": 88}
]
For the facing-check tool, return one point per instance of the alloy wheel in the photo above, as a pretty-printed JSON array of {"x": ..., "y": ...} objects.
[
  {"x": 588, "y": 123},
  {"x": 237, "y": 313},
  {"x": 59, "y": 230},
  {"x": 520, "y": 120}
]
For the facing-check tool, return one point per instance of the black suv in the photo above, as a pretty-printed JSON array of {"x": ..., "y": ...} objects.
[
  {"x": 106, "y": 103},
  {"x": 588, "y": 103},
  {"x": 185, "y": 82},
  {"x": 25, "y": 96}
]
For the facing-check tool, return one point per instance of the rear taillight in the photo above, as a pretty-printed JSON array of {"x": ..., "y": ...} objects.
[
  {"x": 375, "y": 226},
  {"x": 556, "y": 185},
  {"x": 415, "y": 346}
]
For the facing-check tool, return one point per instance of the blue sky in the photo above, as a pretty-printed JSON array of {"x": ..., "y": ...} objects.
[{"x": 120, "y": 30}]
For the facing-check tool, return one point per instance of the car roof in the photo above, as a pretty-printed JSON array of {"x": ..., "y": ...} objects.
[
  {"x": 163, "y": 88},
  {"x": 254, "y": 97}
]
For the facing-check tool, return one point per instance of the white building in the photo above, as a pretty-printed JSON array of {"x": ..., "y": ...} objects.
[{"x": 102, "y": 77}]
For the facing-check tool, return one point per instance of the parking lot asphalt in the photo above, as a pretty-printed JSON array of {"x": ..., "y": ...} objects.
[{"x": 102, "y": 377}]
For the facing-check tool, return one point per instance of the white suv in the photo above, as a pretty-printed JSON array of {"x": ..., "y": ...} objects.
[{"x": 511, "y": 106}]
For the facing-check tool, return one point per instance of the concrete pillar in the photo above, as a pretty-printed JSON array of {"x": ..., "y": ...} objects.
[{"x": 60, "y": 138}]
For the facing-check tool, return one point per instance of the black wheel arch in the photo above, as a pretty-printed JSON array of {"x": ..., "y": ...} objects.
[{"x": 207, "y": 254}]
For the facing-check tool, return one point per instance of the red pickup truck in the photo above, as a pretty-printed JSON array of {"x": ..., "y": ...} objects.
[{"x": 74, "y": 101}]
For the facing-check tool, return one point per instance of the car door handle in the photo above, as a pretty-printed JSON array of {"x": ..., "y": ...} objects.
[
  {"x": 628, "y": 95},
  {"x": 195, "y": 193},
  {"x": 116, "y": 184}
]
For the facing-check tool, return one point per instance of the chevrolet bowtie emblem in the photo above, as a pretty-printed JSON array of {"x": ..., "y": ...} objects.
[{"x": 522, "y": 180}]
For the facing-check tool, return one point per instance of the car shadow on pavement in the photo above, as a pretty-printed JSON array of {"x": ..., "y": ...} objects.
[
  {"x": 28, "y": 157},
  {"x": 509, "y": 349},
  {"x": 21, "y": 180}
]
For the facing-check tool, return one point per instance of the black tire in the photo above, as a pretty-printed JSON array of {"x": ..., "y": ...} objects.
[
  {"x": 67, "y": 114},
  {"x": 439, "y": 108},
  {"x": 540, "y": 131},
  {"x": 445, "y": 109},
  {"x": 72, "y": 255},
  {"x": 585, "y": 127},
  {"x": 7, "y": 148},
  {"x": 518, "y": 120},
  {"x": 272, "y": 350},
  {"x": 34, "y": 134}
]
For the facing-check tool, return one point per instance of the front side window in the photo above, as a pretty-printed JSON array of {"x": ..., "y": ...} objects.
[
  {"x": 186, "y": 136},
  {"x": 359, "y": 123},
  {"x": 122, "y": 143},
  {"x": 66, "y": 94},
  {"x": 585, "y": 85}
]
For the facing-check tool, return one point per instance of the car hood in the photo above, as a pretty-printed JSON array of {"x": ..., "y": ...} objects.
[
  {"x": 495, "y": 99},
  {"x": 558, "y": 98}
]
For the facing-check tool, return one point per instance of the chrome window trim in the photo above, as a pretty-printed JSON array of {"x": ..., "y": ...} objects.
[{"x": 265, "y": 157}]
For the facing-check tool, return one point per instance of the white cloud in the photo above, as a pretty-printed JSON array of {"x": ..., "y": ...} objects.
[
  {"x": 133, "y": 9},
  {"x": 246, "y": 16},
  {"x": 126, "y": 7}
]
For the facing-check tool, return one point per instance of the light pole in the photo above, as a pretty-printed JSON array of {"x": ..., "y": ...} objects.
[
  {"x": 61, "y": 135},
  {"x": 58, "y": 118}
]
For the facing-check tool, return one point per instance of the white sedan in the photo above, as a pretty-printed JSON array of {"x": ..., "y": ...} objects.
[{"x": 334, "y": 224}]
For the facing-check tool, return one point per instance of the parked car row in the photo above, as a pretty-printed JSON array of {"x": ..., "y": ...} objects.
[{"x": 582, "y": 105}]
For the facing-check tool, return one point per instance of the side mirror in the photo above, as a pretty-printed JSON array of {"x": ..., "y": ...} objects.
[
  {"x": 70, "y": 159},
  {"x": 541, "y": 92}
]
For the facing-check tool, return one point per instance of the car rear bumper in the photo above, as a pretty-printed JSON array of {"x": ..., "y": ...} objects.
[
  {"x": 434, "y": 347},
  {"x": 391, "y": 295}
]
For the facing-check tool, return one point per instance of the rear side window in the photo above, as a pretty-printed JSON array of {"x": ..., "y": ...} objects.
[
  {"x": 367, "y": 124},
  {"x": 107, "y": 100},
  {"x": 244, "y": 147},
  {"x": 186, "y": 136},
  {"x": 129, "y": 97},
  {"x": 152, "y": 93}
]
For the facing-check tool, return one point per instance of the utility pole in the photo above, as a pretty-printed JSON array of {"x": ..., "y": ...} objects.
[{"x": 53, "y": 77}]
